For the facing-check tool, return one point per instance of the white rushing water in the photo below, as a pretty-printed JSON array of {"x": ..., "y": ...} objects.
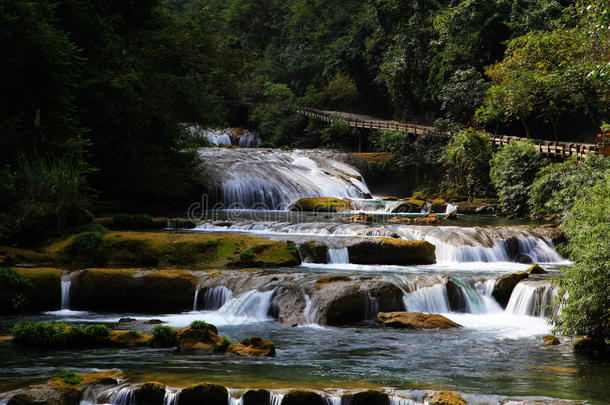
[
  {"x": 432, "y": 300},
  {"x": 215, "y": 297},
  {"x": 65, "y": 294},
  {"x": 531, "y": 298},
  {"x": 230, "y": 136},
  {"x": 338, "y": 256},
  {"x": 272, "y": 179}
]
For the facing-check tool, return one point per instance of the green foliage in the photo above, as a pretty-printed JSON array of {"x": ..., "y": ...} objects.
[
  {"x": 247, "y": 254},
  {"x": 41, "y": 334},
  {"x": 70, "y": 377},
  {"x": 513, "y": 170},
  {"x": 223, "y": 346},
  {"x": 559, "y": 185},
  {"x": 96, "y": 330},
  {"x": 583, "y": 295},
  {"x": 125, "y": 221},
  {"x": 163, "y": 336},
  {"x": 200, "y": 325},
  {"x": 11, "y": 280},
  {"x": 466, "y": 159},
  {"x": 87, "y": 245},
  {"x": 339, "y": 135},
  {"x": 133, "y": 334}
]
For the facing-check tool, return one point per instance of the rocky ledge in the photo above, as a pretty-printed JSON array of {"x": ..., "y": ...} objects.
[{"x": 415, "y": 320}]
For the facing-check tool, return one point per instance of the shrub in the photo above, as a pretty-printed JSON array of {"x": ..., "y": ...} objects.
[
  {"x": 96, "y": 330},
  {"x": 163, "y": 336},
  {"x": 200, "y": 325},
  {"x": 43, "y": 334},
  {"x": 87, "y": 244},
  {"x": 70, "y": 377},
  {"x": 583, "y": 294},
  {"x": 466, "y": 159},
  {"x": 513, "y": 170},
  {"x": 8, "y": 261},
  {"x": 223, "y": 346},
  {"x": 11, "y": 280},
  {"x": 245, "y": 255}
]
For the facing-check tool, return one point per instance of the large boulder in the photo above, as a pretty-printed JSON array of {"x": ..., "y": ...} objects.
[
  {"x": 536, "y": 269},
  {"x": 253, "y": 347},
  {"x": 288, "y": 305},
  {"x": 321, "y": 204},
  {"x": 150, "y": 393},
  {"x": 415, "y": 320},
  {"x": 303, "y": 398},
  {"x": 428, "y": 219},
  {"x": 550, "y": 340},
  {"x": 39, "y": 289},
  {"x": 409, "y": 205},
  {"x": 392, "y": 252},
  {"x": 505, "y": 285},
  {"x": 370, "y": 397},
  {"x": 201, "y": 340},
  {"x": 256, "y": 397},
  {"x": 457, "y": 300},
  {"x": 312, "y": 252},
  {"x": 444, "y": 398},
  {"x": 208, "y": 394}
]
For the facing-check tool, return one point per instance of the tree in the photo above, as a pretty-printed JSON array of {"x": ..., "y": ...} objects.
[
  {"x": 583, "y": 299},
  {"x": 513, "y": 170}
]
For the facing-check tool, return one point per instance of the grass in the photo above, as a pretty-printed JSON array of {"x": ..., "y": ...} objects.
[
  {"x": 163, "y": 336},
  {"x": 70, "y": 377},
  {"x": 200, "y": 325}
]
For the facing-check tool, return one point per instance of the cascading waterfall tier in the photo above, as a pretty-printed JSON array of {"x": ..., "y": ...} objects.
[
  {"x": 272, "y": 179},
  {"x": 532, "y": 298},
  {"x": 65, "y": 294},
  {"x": 215, "y": 297},
  {"x": 242, "y": 138}
]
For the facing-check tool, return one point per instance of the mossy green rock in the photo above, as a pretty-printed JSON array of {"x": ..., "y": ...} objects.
[
  {"x": 444, "y": 398},
  {"x": 312, "y": 252},
  {"x": 321, "y": 204},
  {"x": 409, "y": 205},
  {"x": 505, "y": 285},
  {"x": 392, "y": 252},
  {"x": 41, "y": 292},
  {"x": 536, "y": 269},
  {"x": 415, "y": 320},
  {"x": 208, "y": 394},
  {"x": 591, "y": 347},
  {"x": 367, "y": 398},
  {"x": 303, "y": 398}
]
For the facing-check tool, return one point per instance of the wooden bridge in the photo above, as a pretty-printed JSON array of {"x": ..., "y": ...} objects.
[{"x": 557, "y": 150}]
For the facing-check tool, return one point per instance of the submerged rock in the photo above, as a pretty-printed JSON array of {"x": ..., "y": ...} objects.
[
  {"x": 428, "y": 219},
  {"x": 444, "y": 398},
  {"x": 208, "y": 394},
  {"x": 550, "y": 340},
  {"x": 505, "y": 285},
  {"x": 253, "y": 347},
  {"x": 415, "y": 320},
  {"x": 321, "y": 204},
  {"x": 303, "y": 398},
  {"x": 392, "y": 252}
]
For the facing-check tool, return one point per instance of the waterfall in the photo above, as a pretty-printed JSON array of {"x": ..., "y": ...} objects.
[
  {"x": 396, "y": 400},
  {"x": 276, "y": 399},
  {"x": 428, "y": 300},
  {"x": 426, "y": 208},
  {"x": 171, "y": 397},
  {"x": 310, "y": 312},
  {"x": 338, "y": 256},
  {"x": 478, "y": 296},
  {"x": 450, "y": 208},
  {"x": 196, "y": 298},
  {"x": 65, "y": 294},
  {"x": 538, "y": 251},
  {"x": 334, "y": 400},
  {"x": 531, "y": 298},
  {"x": 231, "y": 400},
  {"x": 371, "y": 308},
  {"x": 124, "y": 396},
  {"x": 215, "y": 297},
  {"x": 252, "y": 305},
  {"x": 272, "y": 179}
]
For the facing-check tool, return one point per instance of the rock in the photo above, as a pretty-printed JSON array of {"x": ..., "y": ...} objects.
[
  {"x": 536, "y": 269},
  {"x": 330, "y": 279},
  {"x": 128, "y": 338},
  {"x": 321, "y": 204},
  {"x": 591, "y": 347},
  {"x": 311, "y": 252},
  {"x": 521, "y": 258},
  {"x": 361, "y": 217},
  {"x": 415, "y": 320},
  {"x": 199, "y": 340},
  {"x": 550, "y": 340},
  {"x": 150, "y": 393},
  {"x": 457, "y": 300},
  {"x": 452, "y": 216},
  {"x": 288, "y": 305},
  {"x": 429, "y": 219},
  {"x": 253, "y": 347},
  {"x": 128, "y": 320},
  {"x": 438, "y": 205},
  {"x": 303, "y": 398},
  {"x": 389, "y": 198},
  {"x": 444, "y": 398},
  {"x": 410, "y": 205},
  {"x": 505, "y": 285},
  {"x": 256, "y": 397},
  {"x": 181, "y": 223},
  {"x": 208, "y": 394},
  {"x": 153, "y": 322},
  {"x": 477, "y": 207},
  {"x": 366, "y": 398},
  {"x": 392, "y": 252},
  {"x": 400, "y": 220},
  {"x": 42, "y": 292}
]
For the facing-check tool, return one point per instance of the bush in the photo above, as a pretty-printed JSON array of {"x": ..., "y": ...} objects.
[
  {"x": 559, "y": 185},
  {"x": 223, "y": 346},
  {"x": 96, "y": 330},
  {"x": 163, "y": 336},
  {"x": 11, "y": 280},
  {"x": 139, "y": 221},
  {"x": 583, "y": 295},
  {"x": 87, "y": 244},
  {"x": 200, "y": 325},
  {"x": 466, "y": 159},
  {"x": 245, "y": 255},
  {"x": 513, "y": 170},
  {"x": 70, "y": 377},
  {"x": 43, "y": 334}
]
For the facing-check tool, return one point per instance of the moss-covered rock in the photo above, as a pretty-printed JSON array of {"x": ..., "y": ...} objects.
[
  {"x": 444, "y": 398},
  {"x": 550, "y": 340},
  {"x": 208, "y": 394},
  {"x": 369, "y": 397},
  {"x": 591, "y": 347},
  {"x": 536, "y": 269},
  {"x": 477, "y": 207},
  {"x": 303, "y": 398},
  {"x": 312, "y": 252},
  {"x": 392, "y": 252},
  {"x": 256, "y": 397},
  {"x": 410, "y": 205},
  {"x": 438, "y": 205},
  {"x": 321, "y": 204},
  {"x": 30, "y": 289},
  {"x": 505, "y": 285},
  {"x": 199, "y": 340},
  {"x": 150, "y": 393},
  {"x": 428, "y": 219},
  {"x": 400, "y": 220},
  {"x": 361, "y": 217},
  {"x": 253, "y": 347},
  {"x": 415, "y": 320},
  {"x": 127, "y": 338},
  {"x": 330, "y": 279},
  {"x": 131, "y": 290}
]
